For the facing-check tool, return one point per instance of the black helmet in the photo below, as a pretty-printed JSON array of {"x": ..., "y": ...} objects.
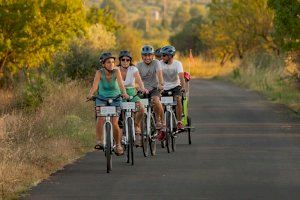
[
  {"x": 157, "y": 52},
  {"x": 105, "y": 56},
  {"x": 169, "y": 50},
  {"x": 147, "y": 49},
  {"x": 125, "y": 53}
]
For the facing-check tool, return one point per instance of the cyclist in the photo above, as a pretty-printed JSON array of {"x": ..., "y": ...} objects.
[
  {"x": 130, "y": 75},
  {"x": 151, "y": 74},
  {"x": 107, "y": 84},
  {"x": 174, "y": 79},
  {"x": 157, "y": 54}
]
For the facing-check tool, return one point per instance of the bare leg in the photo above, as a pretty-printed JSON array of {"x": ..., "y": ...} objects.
[
  {"x": 179, "y": 108},
  {"x": 138, "y": 117},
  {"x": 99, "y": 129},
  {"x": 158, "y": 109},
  {"x": 116, "y": 130}
]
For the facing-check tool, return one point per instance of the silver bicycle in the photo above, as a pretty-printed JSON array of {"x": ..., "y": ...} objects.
[
  {"x": 108, "y": 139},
  {"x": 171, "y": 121},
  {"x": 149, "y": 131}
]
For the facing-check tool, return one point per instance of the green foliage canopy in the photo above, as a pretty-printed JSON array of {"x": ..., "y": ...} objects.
[
  {"x": 32, "y": 30},
  {"x": 287, "y": 23}
]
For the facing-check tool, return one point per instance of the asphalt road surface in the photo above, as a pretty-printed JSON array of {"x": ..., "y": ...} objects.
[{"x": 243, "y": 148}]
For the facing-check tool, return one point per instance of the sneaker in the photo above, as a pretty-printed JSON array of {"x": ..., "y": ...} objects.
[
  {"x": 161, "y": 136},
  {"x": 180, "y": 125},
  {"x": 119, "y": 150}
]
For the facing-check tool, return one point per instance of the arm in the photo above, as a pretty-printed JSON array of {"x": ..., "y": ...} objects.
[
  {"x": 181, "y": 76},
  {"x": 121, "y": 85},
  {"x": 159, "y": 75},
  {"x": 139, "y": 81},
  {"x": 182, "y": 81},
  {"x": 95, "y": 84}
]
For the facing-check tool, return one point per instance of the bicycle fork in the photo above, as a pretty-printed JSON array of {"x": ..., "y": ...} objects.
[{"x": 107, "y": 121}]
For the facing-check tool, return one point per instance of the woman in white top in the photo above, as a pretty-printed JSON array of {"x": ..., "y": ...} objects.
[{"x": 131, "y": 76}]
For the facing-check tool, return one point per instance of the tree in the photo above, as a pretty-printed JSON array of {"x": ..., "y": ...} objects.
[
  {"x": 197, "y": 10},
  {"x": 130, "y": 39},
  {"x": 116, "y": 9},
  {"x": 31, "y": 31},
  {"x": 287, "y": 23},
  {"x": 237, "y": 26},
  {"x": 180, "y": 17},
  {"x": 189, "y": 37},
  {"x": 96, "y": 15}
]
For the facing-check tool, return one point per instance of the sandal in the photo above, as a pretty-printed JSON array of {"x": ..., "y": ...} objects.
[{"x": 99, "y": 146}]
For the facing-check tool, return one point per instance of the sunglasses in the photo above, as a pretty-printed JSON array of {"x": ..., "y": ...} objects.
[
  {"x": 164, "y": 55},
  {"x": 125, "y": 60}
]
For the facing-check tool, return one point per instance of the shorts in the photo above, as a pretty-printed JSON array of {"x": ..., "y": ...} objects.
[
  {"x": 155, "y": 92},
  {"x": 131, "y": 92},
  {"x": 176, "y": 91},
  {"x": 116, "y": 103}
]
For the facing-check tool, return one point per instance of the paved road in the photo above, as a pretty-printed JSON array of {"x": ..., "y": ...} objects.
[{"x": 244, "y": 148}]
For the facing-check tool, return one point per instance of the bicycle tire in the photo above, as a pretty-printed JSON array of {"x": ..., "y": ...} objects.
[
  {"x": 152, "y": 139},
  {"x": 108, "y": 152},
  {"x": 130, "y": 145},
  {"x": 168, "y": 131},
  {"x": 189, "y": 130},
  {"x": 145, "y": 138},
  {"x": 173, "y": 137}
]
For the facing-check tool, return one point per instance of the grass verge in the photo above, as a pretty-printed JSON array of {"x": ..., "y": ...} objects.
[{"x": 33, "y": 144}]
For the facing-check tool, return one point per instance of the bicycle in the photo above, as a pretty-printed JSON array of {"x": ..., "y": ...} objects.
[
  {"x": 149, "y": 132},
  {"x": 128, "y": 108},
  {"x": 171, "y": 121},
  {"x": 108, "y": 140}
]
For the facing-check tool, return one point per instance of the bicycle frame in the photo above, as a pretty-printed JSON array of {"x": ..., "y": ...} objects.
[{"x": 128, "y": 116}]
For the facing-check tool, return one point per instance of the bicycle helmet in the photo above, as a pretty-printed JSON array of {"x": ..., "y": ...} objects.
[
  {"x": 125, "y": 53},
  {"x": 168, "y": 50},
  {"x": 147, "y": 49},
  {"x": 158, "y": 52},
  {"x": 104, "y": 56}
]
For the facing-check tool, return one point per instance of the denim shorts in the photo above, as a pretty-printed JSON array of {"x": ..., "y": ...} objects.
[{"x": 116, "y": 102}]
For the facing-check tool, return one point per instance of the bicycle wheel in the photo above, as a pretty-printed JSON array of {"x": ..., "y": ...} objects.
[
  {"x": 189, "y": 129},
  {"x": 168, "y": 131},
  {"x": 173, "y": 136},
  {"x": 145, "y": 138},
  {"x": 152, "y": 138},
  {"x": 108, "y": 148},
  {"x": 130, "y": 145}
]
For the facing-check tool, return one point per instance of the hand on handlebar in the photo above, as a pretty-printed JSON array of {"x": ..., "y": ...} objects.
[{"x": 125, "y": 96}]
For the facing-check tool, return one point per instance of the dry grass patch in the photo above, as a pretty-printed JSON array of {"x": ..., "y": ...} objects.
[
  {"x": 206, "y": 69},
  {"x": 34, "y": 144}
]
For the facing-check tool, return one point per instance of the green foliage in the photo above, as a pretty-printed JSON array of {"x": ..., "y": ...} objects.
[
  {"x": 96, "y": 15},
  {"x": 197, "y": 10},
  {"x": 31, "y": 31},
  {"x": 189, "y": 37},
  {"x": 130, "y": 39},
  {"x": 237, "y": 26},
  {"x": 81, "y": 59},
  {"x": 287, "y": 23},
  {"x": 116, "y": 9},
  {"x": 33, "y": 92},
  {"x": 180, "y": 17}
]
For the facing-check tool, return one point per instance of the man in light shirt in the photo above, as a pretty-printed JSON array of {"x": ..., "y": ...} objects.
[{"x": 173, "y": 79}]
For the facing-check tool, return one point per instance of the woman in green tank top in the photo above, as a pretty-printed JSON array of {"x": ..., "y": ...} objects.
[
  {"x": 131, "y": 76},
  {"x": 108, "y": 84}
]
